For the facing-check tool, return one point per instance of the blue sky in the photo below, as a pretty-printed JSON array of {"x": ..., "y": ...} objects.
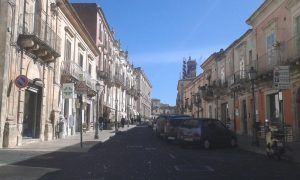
[{"x": 158, "y": 34}]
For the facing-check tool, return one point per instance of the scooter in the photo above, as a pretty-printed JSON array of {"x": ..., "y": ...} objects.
[{"x": 275, "y": 142}]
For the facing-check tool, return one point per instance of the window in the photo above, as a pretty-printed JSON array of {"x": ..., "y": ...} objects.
[
  {"x": 273, "y": 108},
  {"x": 250, "y": 56},
  {"x": 100, "y": 31},
  {"x": 68, "y": 50},
  {"x": 80, "y": 60},
  {"x": 242, "y": 68},
  {"x": 270, "y": 47},
  {"x": 297, "y": 21},
  {"x": 223, "y": 75},
  {"x": 90, "y": 69}
]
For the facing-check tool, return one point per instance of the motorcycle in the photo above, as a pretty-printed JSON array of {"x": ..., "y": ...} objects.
[{"x": 275, "y": 146}]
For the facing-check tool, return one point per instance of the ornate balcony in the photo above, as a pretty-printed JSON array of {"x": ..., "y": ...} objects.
[
  {"x": 37, "y": 37},
  {"x": 110, "y": 80},
  {"x": 119, "y": 80},
  {"x": 91, "y": 85},
  {"x": 239, "y": 80},
  {"x": 102, "y": 74},
  {"x": 70, "y": 71},
  {"x": 127, "y": 87},
  {"x": 207, "y": 93}
]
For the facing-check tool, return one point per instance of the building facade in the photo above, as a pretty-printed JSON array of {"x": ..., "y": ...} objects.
[
  {"x": 244, "y": 102},
  {"x": 53, "y": 61},
  {"x": 144, "y": 89}
]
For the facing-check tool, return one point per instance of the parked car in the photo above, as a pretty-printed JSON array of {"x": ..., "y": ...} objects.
[
  {"x": 206, "y": 132},
  {"x": 166, "y": 126}
]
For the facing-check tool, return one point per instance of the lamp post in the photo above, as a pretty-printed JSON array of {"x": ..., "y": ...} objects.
[
  {"x": 252, "y": 76},
  {"x": 198, "y": 100},
  {"x": 99, "y": 88}
]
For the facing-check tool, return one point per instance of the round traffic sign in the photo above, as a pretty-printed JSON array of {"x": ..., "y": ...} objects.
[{"x": 21, "y": 81}]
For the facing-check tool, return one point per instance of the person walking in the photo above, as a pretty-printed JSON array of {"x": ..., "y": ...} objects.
[
  {"x": 101, "y": 120},
  {"x": 123, "y": 122}
]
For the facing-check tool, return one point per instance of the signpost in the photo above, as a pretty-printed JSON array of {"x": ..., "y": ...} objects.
[
  {"x": 21, "y": 81},
  {"x": 281, "y": 81},
  {"x": 81, "y": 88},
  {"x": 281, "y": 78}
]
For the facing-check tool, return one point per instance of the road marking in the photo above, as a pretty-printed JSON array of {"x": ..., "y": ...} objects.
[
  {"x": 210, "y": 168},
  {"x": 172, "y": 156},
  {"x": 134, "y": 146},
  {"x": 194, "y": 168}
]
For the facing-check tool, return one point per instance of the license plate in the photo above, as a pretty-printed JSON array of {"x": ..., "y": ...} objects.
[
  {"x": 279, "y": 144},
  {"x": 172, "y": 138},
  {"x": 188, "y": 139}
]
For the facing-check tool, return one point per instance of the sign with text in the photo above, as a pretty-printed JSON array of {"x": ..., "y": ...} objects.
[
  {"x": 68, "y": 90},
  {"x": 281, "y": 77}
]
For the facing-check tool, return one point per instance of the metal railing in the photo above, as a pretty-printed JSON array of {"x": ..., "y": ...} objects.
[
  {"x": 291, "y": 50},
  {"x": 36, "y": 25},
  {"x": 71, "y": 69},
  {"x": 91, "y": 83}
]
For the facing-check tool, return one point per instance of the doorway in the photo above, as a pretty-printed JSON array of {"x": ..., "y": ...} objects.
[
  {"x": 32, "y": 113},
  {"x": 244, "y": 117},
  {"x": 297, "y": 122}
]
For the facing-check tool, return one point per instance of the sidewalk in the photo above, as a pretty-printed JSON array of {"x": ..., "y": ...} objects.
[
  {"x": 67, "y": 144},
  {"x": 292, "y": 148}
]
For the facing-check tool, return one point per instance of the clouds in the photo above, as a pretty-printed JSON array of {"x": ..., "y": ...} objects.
[{"x": 171, "y": 57}]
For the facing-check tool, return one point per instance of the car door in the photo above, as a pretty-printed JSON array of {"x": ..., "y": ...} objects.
[
  {"x": 222, "y": 133},
  {"x": 214, "y": 133}
]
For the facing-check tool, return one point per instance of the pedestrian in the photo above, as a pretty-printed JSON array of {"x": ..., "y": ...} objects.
[
  {"x": 101, "y": 120},
  {"x": 122, "y": 121}
]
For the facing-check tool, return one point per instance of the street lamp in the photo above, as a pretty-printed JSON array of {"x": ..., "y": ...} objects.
[
  {"x": 252, "y": 76},
  {"x": 99, "y": 88}
]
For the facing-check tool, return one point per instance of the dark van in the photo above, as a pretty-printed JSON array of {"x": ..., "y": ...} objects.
[
  {"x": 167, "y": 125},
  {"x": 206, "y": 132}
]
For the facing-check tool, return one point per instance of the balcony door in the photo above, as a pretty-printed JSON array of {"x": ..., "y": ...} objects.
[
  {"x": 297, "y": 123},
  {"x": 244, "y": 117},
  {"x": 37, "y": 18},
  {"x": 297, "y": 23}
]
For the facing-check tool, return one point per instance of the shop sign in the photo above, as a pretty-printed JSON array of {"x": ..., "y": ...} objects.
[{"x": 68, "y": 90}]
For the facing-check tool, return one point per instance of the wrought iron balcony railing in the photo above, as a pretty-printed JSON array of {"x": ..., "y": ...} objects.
[
  {"x": 71, "y": 70},
  {"x": 37, "y": 36}
]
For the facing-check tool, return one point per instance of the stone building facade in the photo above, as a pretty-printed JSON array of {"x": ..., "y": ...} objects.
[
  {"x": 244, "y": 102},
  {"x": 49, "y": 58}
]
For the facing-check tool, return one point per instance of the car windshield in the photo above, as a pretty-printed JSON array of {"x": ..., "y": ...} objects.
[{"x": 192, "y": 123}]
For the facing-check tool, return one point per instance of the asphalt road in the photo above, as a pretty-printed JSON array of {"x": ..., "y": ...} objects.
[{"x": 139, "y": 154}]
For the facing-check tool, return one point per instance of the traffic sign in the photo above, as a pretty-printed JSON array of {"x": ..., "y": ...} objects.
[
  {"x": 81, "y": 87},
  {"x": 21, "y": 81},
  {"x": 281, "y": 77}
]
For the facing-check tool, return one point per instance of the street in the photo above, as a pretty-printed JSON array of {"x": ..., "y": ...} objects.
[{"x": 139, "y": 154}]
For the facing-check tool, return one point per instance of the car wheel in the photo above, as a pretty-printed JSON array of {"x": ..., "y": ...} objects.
[
  {"x": 233, "y": 142},
  {"x": 206, "y": 144}
]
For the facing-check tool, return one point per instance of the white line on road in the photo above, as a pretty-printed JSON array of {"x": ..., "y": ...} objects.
[
  {"x": 172, "y": 156},
  {"x": 134, "y": 146}
]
